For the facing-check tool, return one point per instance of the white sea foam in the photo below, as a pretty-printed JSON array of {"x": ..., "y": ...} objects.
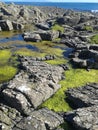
[{"x": 94, "y": 11}]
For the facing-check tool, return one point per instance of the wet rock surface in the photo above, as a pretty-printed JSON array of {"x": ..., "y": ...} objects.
[{"x": 84, "y": 98}]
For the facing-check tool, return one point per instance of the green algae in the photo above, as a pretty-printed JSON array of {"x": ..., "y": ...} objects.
[
  {"x": 57, "y": 61},
  {"x": 57, "y": 27},
  {"x": 73, "y": 78},
  {"x": 4, "y": 56},
  {"x": 94, "y": 39},
  {"x": 7, "y": 71},
  {"x": 88, "y": 28},
  {"x": 27, "y": 52}
]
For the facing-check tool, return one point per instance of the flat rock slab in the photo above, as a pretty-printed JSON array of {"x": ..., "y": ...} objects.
[
  {"x": 84, "y": 118},
  {"x": 84, "y": 96},
  {"x": 33, "y": 85},
  {"x": 42, "y": 119}
]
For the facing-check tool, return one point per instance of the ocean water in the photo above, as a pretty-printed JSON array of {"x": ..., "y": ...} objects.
[{"x": 75, "y": 6}]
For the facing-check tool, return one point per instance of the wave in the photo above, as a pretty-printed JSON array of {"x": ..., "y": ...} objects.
[{"x": 94, "y": 11}]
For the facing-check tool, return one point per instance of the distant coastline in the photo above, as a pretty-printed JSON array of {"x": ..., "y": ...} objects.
[{"x": 75, "y": 6}]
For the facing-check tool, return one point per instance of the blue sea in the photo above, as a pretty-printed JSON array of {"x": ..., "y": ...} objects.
[{"x": 75, "y": 6}]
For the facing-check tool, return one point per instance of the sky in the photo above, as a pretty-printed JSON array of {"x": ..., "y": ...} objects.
[{"x": 93, "y": 1}]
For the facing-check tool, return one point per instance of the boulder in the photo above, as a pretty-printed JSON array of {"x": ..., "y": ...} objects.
[
  {"x": 83, "y": 96},
  {"x": 6, "y": 25},
  {"x": 32, "y": 37},
  {"x": 41, "y": 35},
  {"x": 49, "y": 35},
  {"x": 5, "y": 11},
  {"x": 42, "y": 119},
  {"x": 17, "y": 26},
  {"x": 43, "y": 26},
  {"x": 86, "y": 99},
  {"x": 24, "y": 12},
  {"x": 8, "y": 117},
  {"x": 38, "y": 79},
  {"x": 79, "y": 62},
  {"x": 68, "y": 20},
  {"x": 84, "y": 118}
]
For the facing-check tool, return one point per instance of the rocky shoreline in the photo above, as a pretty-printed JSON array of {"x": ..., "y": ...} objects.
[{"x": 37, "y": 81}]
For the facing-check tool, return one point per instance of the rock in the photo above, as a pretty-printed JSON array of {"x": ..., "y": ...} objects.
[
  {"x": 79, "y": 62},
  {"x": 38, "y": 79},
  {"x": 32, "y": 37},
  {"x": 49, "y": 35},
  {"x": 84, "y": 118},
  {"x": 84, "y": 96},
  {"x": 6, "y": 25},
  {"x": 17, "y": 26},
  {"x": 43, "y": 26},
  {"x": 5, "y": 11},
  {"x": 94, "y": 47},
  {"x": 85, "y": 56},
  {"x": 71, "y": 21},
  {"x": 8, "y": 117},
  {"x": 42, "y": 119},
  {"x": 0, "y": 29},
  {"x": 24, "y": 12},
  {"x": 86, "y": 99},
  {"x": 64, "y": 66},
  {"x": 41, "y": 35}
]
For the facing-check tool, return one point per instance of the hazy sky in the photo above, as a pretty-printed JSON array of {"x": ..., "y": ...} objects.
[{"x": 55, "y": 0}]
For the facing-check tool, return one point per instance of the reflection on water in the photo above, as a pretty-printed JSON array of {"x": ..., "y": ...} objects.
[{"x": 67, "y": 50}]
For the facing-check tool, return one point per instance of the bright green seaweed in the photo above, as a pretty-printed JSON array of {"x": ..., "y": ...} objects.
[
  {"x": 73, "y": 78},
  {"x": 94, "y": 39},
  {"x": 7, "y": 71}
]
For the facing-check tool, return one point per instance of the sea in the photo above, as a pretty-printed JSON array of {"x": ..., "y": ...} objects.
[{"x": 93, "y": 7}]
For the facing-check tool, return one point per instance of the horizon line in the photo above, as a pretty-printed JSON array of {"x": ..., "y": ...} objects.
[{"x": 49, "y": 1}]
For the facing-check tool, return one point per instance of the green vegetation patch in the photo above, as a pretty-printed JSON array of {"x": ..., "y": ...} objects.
[
  {"x": 94, "y": 39},
  {"x": 73, "y": 78},
  {"x": 57, "y": 61},
  {"x": 7, "y": 71},
  {"x": 4, "y": 56},
  {"x": 27, "y": 52},
  {"x": 57, "y": 27},
  {"x": 88, "y": 28}
]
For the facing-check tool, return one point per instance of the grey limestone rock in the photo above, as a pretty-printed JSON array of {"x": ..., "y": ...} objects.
[
  {"x": 38, "y": 79},
  {"x": 86, "y": 99},
  {"x": 6, "y": 25},
  {"x": 84, "y": 118}
]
